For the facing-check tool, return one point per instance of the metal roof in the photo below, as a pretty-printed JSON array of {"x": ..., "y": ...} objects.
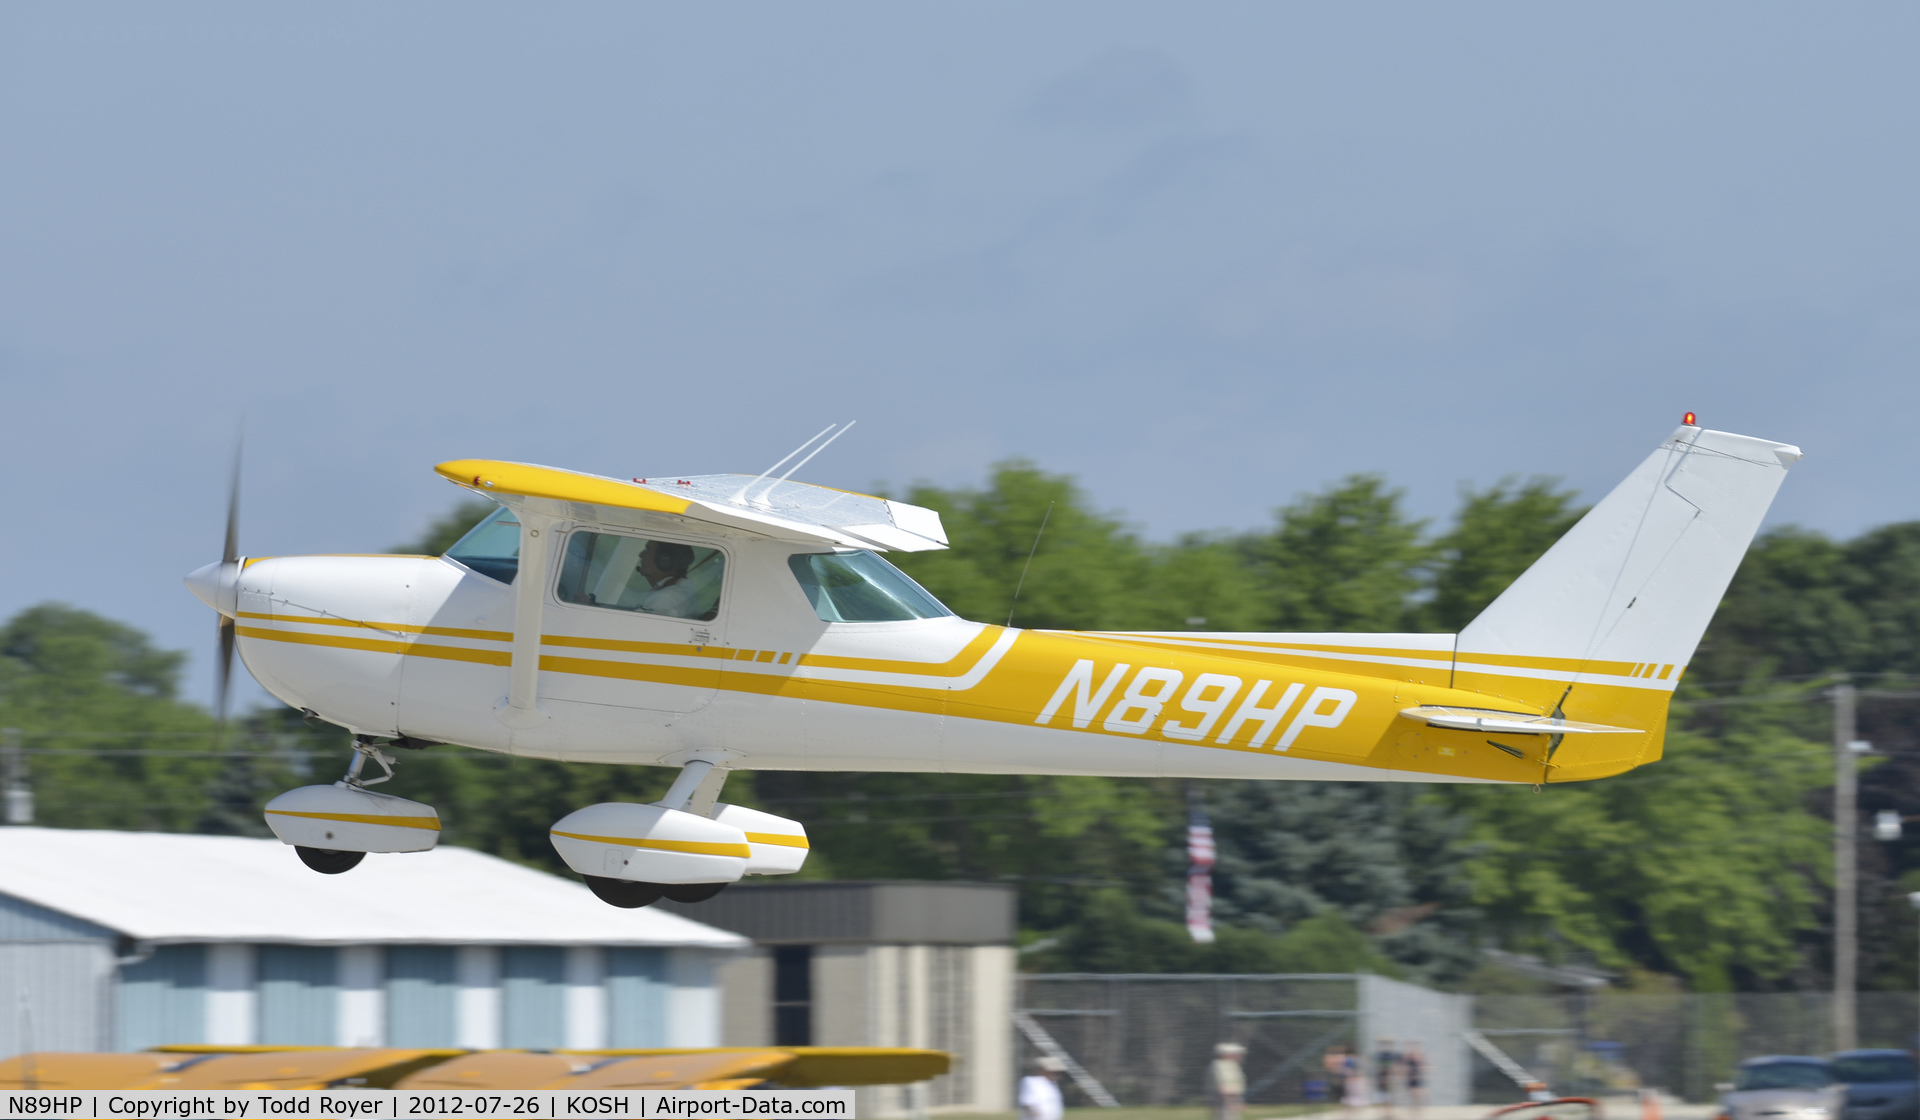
[{"x": 169, "y": 887}]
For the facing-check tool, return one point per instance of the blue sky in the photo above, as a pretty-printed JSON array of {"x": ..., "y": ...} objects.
[{"x": 1201, "y": 258}]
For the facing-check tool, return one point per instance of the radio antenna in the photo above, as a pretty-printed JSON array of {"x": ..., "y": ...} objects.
[
  {"x": 743, "y": 490},
  {"x": 1029, "y": 563},
  {"x": 843, "y": 431}
]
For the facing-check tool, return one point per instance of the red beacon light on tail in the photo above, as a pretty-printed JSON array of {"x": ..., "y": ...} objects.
[{"x": 1689, "y": 421}]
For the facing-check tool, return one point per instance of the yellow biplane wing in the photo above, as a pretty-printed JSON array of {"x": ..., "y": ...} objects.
[
  {"x": 320, "y": 1067},
  {"x": 220, "y": 1067}
]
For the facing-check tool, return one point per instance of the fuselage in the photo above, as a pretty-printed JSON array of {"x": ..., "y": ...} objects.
[{"x": 422, "y": 647}]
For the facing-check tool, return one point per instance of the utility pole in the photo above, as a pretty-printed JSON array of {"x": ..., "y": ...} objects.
[
  {"x": 1846, "y": 947},
  {"x": 13, "y": 778}
]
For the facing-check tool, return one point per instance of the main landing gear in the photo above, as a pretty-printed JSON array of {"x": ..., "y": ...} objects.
[{"x": 685, "y": 847}]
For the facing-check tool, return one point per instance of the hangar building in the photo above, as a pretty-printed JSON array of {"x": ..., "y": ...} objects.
[
  {"x": 122, "y": 940},
  {"x": 878, "y": 964}
]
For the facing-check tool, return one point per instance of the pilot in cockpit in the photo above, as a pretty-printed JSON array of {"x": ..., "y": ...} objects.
[{"x": 665, "y": 564}]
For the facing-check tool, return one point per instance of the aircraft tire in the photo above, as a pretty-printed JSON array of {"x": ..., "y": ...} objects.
[
  {"x": 624, "y": 893},
  {"x": 693, "y": 892},
  {"x": 327, "y": 861}
]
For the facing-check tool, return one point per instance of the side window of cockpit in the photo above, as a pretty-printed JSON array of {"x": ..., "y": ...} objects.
[
  {"x": 492, "y": 547},
  {"x": 648, "y": 577},
  {"x": 861, "y": 587}
]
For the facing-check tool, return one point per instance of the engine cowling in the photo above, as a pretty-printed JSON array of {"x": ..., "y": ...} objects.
[
  {"x": 650, "y": 844},
  {"x": 344, "y": 818}
]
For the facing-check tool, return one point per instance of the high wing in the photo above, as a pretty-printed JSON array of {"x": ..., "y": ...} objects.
[{"x": 783, "y": 510}]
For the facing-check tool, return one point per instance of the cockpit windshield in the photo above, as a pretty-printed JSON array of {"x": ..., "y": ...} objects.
[
  {"x": 861, "y": 587},
  {"x": 492, "y": 547}
]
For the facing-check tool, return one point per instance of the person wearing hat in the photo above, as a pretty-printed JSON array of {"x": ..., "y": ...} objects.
[
  {"x": 1040, "y": 1090},
  {"x": 1229, "y": 1081}
]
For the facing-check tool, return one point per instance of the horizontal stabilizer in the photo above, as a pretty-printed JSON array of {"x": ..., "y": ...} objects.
[{"x": 1506, "y": 723}]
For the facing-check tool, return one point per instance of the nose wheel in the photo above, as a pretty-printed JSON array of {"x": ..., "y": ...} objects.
[{"x": 327, "y": 861}]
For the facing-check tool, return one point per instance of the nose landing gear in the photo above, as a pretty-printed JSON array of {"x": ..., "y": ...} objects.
[{"x": 332, "y": 828}]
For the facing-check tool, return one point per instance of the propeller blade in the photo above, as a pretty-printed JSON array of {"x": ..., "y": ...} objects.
[
  {"x": 222, "y": 677},
  {"x": 232, "y": 551},
  {"x": 229, "y": 558},
  {"x": 223, "y": 669}
]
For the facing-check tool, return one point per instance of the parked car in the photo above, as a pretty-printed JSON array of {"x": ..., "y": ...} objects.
[
  {"x": 1880, "y": 1084},
  {"x": 1782, "y": 1087}
]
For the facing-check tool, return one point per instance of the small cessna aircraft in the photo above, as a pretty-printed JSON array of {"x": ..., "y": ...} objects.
[{"x": 723, "y": 622}]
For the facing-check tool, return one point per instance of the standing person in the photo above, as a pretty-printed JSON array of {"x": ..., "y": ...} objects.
[
  {"x": 1353, "y": 1095},
  {"x": 1386, "y": 1064},
  {"x": 1040, "y": 1090},
  {"x": 1333, "y": 1062},
  {"x": 1413, "y": 1063},
  {"x": 1229, "y": 1081}
]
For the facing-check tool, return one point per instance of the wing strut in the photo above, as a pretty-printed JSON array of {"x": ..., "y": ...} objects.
[{"x": 529, "y": 600}]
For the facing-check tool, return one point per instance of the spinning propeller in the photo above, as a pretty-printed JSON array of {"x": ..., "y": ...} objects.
[
  {"x": 229, "y": 577},
  {"x": 218, "y": 586}
]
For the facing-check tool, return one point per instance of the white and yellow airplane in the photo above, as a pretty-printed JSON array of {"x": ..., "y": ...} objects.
[{"x": 723, "y": 623}]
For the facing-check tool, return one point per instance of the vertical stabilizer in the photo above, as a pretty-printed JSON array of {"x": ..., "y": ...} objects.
[{"x": 1624, "y": 597}]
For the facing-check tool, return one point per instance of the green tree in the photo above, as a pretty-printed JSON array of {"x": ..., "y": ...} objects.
[
  {"x": 1380, "y": 855},
  {"x": 1497, "y": 534},
  {"x": 1088, "y": 571},
  {"x": 1346, "y": 559},
  {"x": 1792, "y": 610},
  {"x": 448, "y": 528},
  {"x": 110, "y": 745},
  {"x": 1705, "y": 865}
]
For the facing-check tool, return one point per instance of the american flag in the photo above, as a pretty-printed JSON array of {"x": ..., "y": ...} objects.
[{"x": 1200, "y": 856}]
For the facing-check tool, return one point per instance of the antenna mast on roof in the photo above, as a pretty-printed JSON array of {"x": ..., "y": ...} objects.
[
  {"x": 741, "y": 496},
  {"x": 843, "y": 431}
]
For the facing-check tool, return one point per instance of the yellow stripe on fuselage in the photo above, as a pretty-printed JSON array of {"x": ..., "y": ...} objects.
[
  {"x": 1009, "y": 677},
  {"x": 391, "y": 627},
  {"x": 377, "y": 645}
]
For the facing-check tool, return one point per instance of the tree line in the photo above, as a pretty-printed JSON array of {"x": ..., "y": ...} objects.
[{"x": 1708, "y": 869}]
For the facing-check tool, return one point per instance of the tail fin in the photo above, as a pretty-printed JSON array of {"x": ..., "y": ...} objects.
[{"x": 1622, "y": 600}]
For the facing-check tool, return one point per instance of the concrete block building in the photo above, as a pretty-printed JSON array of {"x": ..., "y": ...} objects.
[
  {"x": 877, "y": 964},
  {"x": 120, "y": 941}
]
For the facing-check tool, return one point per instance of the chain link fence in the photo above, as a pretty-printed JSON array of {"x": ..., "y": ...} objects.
[
  {"x": 1147, "y": 1039},
  {"x": 1682, "y": 1043}
]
